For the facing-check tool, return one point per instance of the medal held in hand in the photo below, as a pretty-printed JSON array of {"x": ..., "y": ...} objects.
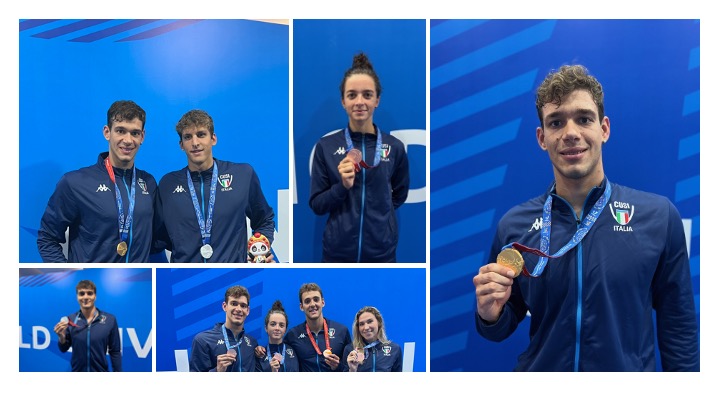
[
  {"x": 356, "y": 157},
  {"x": 360, "y": 355},
  {"x": 512, "y": 259},
  {"x": 258, "y": 248}
]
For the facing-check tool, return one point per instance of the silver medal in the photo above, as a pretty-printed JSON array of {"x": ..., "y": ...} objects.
[{"x": 206, "y": 251}]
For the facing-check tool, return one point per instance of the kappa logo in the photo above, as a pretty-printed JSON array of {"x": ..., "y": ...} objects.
[
  {"x": 623, "y": 214},
  {"x": 340, "y": 151},
  {"x": 102, "y": 187},
  {"x": 536, "y": 226},
  {"x": 302, "y": 336},
  {"x": 331, "y": 333},
  {"x": 385, "y": 153},
  {"x": 143, "y": 186},
  {"x": 220, "y": 342},
  {"x": 179, "y": 189},
  {"x": 225, "y": 181}
]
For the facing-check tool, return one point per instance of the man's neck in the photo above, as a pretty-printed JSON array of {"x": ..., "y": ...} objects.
[
  {"x": 315, "y": 325},
  {"x": 576, "y": 191},
  {"x": 120, "y": 164},
  {"x": 201, "y": 167},
  {"x": 88, "y": 313},
  {"x": 235, "y": 329}
]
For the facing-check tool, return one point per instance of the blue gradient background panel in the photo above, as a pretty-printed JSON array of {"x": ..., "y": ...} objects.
[
  {"x": 485, "y": 157},
  {"x": 71, "y": 71},
  {"x": 322, "y": 51},
  {"x": 46, "y": 295},
  {"x": 189, "y": 301}
]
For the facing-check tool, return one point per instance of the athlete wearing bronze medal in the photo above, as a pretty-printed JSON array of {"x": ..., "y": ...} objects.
[
  {"x": 277, "y": 356},
  {"x": 318, "y": 342},
  {"x": 107, "y": 208},
  {"x": 590, "y": 290},
  {"x": 371, "y": 350},
  {"x": 359, "y": 177},
  {"x": 204, "y": 206},
  {"x": 226, "y": 347}
]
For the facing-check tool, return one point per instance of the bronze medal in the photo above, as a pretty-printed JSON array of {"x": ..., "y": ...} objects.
[
  {"x": 122, "y": 248},
  {"x": 511, "y": 259},
  {"x": 356, "y": 157}
]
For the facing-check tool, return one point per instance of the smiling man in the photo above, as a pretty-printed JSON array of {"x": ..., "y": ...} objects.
[
  {"x": 91, "y": 333},
  {"x": 318, "y": 342},
  {"x": 106, "y": 208},
  {"x": 226, "y": 347},
  {"x": 204, "y": 205},
  {"x": 605, "y": 257}
]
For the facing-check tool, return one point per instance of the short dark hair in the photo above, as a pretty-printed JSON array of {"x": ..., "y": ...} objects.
[
  {"x": 85, "y": 285},
  {"x": 361, "y": 65},
  {"x": 307, "y": 287},
  {"x": 125, "y": 110},
  {"x": 195, "y": 118},
  {"x": 237, "y": 291},
  {"x": 560, "y": 83}
]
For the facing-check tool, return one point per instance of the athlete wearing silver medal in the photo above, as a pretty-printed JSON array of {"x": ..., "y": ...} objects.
[
  {"x": 592, "y": 290},
  {"x": 91, "y": 333},
  {"x": 204, "y": 206}
]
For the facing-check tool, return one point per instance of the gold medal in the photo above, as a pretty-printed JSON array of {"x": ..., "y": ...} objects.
[
  {"x": 327, "y": 352},
  {"x": 122, "y": 248},
  {"x": 511, "y": 259}
]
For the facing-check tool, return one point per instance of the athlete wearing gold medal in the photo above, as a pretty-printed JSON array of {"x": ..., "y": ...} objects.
[
  {"x": 106, "y": 208},
  {"x": 591, "y": 291}
]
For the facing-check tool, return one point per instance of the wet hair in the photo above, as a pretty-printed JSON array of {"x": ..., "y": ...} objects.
[
  {"x": 277, "y": 308},
  {"x": 85, "y": 285},
  {"x": 237, "y": 291},
  {"x": 357, "y": 336},
  {"x": 361, "y": 65},
  {"x": 125, "y": 110},
  {"x": 195, "y": 118},
  {"x": 307, "y": 287},
  {"x": 560, "y": 83}
]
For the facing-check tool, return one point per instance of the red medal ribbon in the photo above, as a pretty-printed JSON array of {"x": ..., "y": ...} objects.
[
  {"x": 110, "y": 169},
  {"x": 312, "y": 339}
]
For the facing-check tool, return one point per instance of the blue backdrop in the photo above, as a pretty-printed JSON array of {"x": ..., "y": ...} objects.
[
  {"x": 46, "y": 295},
  {"x": 485, "y": 158},
  {"x": 189, "y": 301},
  {"x": 71, "y": 71},
  {"x": 322, "y": 51}
]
